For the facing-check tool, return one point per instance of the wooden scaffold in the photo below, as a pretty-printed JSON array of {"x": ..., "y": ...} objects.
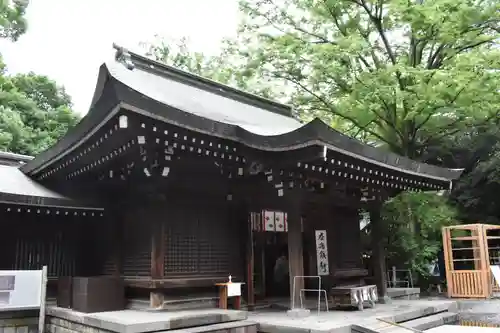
[{"x": 469, "y": 250}]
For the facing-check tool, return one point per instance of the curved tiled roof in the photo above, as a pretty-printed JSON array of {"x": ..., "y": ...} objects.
[{"x": 202, "y": 105}]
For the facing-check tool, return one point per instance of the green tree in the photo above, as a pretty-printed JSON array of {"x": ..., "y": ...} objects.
[
  {"x": 34, "y": 114},
  {"x": 227, "y": 67},
  {"x": 477, "y": 150},
  {"x": 414, "y": 222},
  {"x": 12, "y": 21},
  {"x": 406, "y": 75},
  {"x": 402, "y": 73}
]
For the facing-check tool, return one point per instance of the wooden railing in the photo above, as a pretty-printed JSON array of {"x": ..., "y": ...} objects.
[{"x": 468, "y": 284}]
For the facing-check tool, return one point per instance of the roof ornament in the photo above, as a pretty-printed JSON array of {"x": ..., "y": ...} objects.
[{"x": 123, "y": 56}]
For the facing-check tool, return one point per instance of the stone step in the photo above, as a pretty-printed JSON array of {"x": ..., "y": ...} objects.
[
  {"x": 242, "y": 326},
  {"x": 436, "y": 320},
  {"x": 423, "y": 323},
  {"x": 182, "y": 304},
  {"x": 418, "y": 313},
  {"x": 420, "y": 319}
]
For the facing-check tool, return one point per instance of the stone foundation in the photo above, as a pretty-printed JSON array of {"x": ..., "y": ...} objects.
[
  {"x": 404, "y": 293},
  {"x": 60, "y": 320},
  {"x": 19, "y": 322}
]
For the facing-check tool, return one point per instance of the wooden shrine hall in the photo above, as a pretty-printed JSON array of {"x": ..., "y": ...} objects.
[{"x": 177, "y": 182}]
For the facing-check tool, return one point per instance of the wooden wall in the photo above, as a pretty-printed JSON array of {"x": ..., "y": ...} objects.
[
  {"x": 343, "y": 236},
  {"x": 201, "y": 237},
  {"x": 32, "y": 240}
]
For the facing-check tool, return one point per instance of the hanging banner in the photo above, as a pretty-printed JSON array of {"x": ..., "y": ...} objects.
[
  {"x": 322, "y": 252},
  {"x": 268, "y": 221},
  {"x": 279, "y": 221}
]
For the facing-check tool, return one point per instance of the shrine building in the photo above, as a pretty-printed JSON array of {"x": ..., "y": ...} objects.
[{"x": 173, "y": 182}]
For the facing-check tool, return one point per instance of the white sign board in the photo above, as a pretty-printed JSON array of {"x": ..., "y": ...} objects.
[
  {"x": 322, "y": 252},
  {"x": 20, "y": 290},
  {"x": 24, "y": 290},
  {"x": 495, "y": 270}
]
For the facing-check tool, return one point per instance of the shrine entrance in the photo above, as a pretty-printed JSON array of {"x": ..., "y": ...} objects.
[
  {"x": 271, "y": 262},
  {"x": 275, "y": 270}
]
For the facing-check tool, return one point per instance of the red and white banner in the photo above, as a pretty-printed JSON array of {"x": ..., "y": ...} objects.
[
  {"x": 279, "y": 221},
  {"x": 269, "y": 220}
]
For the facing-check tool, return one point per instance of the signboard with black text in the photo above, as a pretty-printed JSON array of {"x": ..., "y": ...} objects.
[{"x": 322, "y": 252}]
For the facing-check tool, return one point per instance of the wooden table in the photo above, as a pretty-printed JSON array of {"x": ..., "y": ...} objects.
[{"x": 229, "y": 289}]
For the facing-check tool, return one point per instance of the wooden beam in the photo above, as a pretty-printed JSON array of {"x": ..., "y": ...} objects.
[
  {"x": 295, "y": 252},
  {"x": 378, "y": 253},
  {"x": 157, "y": 260},
  {"x": 117, "y": 239},
  {"x": 250, "y": 261},
  {"x": 176, "y": 283}
]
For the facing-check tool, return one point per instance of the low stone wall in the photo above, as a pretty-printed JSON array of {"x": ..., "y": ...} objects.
[
  {"x": 59, "y": 325},
  {"x": 19, "y": 322},
  {"x": 59, "y": 320},
  {"x": 404, "y": 293}
]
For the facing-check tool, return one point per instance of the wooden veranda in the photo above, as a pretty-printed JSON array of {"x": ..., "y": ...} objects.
[{"x": 469, "y": 250}]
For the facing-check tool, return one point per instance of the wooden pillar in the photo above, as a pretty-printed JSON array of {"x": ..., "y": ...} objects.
[
  {"x": 117, "y": 239},
  {"x": 295, "y": 253},
  {"x": 448, "y": 259},
  {"x": 378, "y": 253},
  {"x": 156, "y": 297},
  {"x": 250, "y": 260}
]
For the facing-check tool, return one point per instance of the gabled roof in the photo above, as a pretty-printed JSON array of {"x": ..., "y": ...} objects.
[{"x": 186, "y": 100}]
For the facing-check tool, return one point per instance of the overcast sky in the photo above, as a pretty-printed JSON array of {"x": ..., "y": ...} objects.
[{"x": 69, "y": 39}]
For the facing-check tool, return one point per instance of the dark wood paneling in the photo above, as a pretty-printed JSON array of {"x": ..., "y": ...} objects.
[
  {"x": 348, "y": 238},
  {"x": 201, "y": 238},
  {"x": 344, "y": 238},
  {"x": 36, "y": 239},
  {"x": 136, "y": 245}
]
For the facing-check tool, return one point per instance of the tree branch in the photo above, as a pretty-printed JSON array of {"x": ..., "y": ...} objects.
[
  {"x": 452, "y": 101},
  {"x": 344, "y": 33},
  {"x": 330, "y": 107},
  {"x": 451, "y": 125}
]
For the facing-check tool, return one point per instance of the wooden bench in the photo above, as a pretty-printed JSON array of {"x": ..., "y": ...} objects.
[{"x": 354, "y": 296}]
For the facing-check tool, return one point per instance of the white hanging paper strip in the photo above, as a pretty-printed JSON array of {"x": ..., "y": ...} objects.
[
  {"x": 322, "y": 252},
  {"x": 285, "y": 219},
  {"x": 233, "y": 289},
  {"x": 268, "y": 221},
  {"x": 279, "y": 221},
  {"x": 258, "y": 221},
  {"x": 255, "y": 221}
]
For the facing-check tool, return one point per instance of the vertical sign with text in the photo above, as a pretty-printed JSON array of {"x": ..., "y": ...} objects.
[{"x": 322, "y": 252}]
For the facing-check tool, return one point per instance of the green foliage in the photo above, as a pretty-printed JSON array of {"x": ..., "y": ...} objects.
[
  {"x": 419, "y": 78},
  {"x": 478, "y": 151},
  {"x": 414, "y": 223},
  {"x": 34, "y": 113},
  {"x": 406, "y": 74},
  {"x": 12, "y": 21}
]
